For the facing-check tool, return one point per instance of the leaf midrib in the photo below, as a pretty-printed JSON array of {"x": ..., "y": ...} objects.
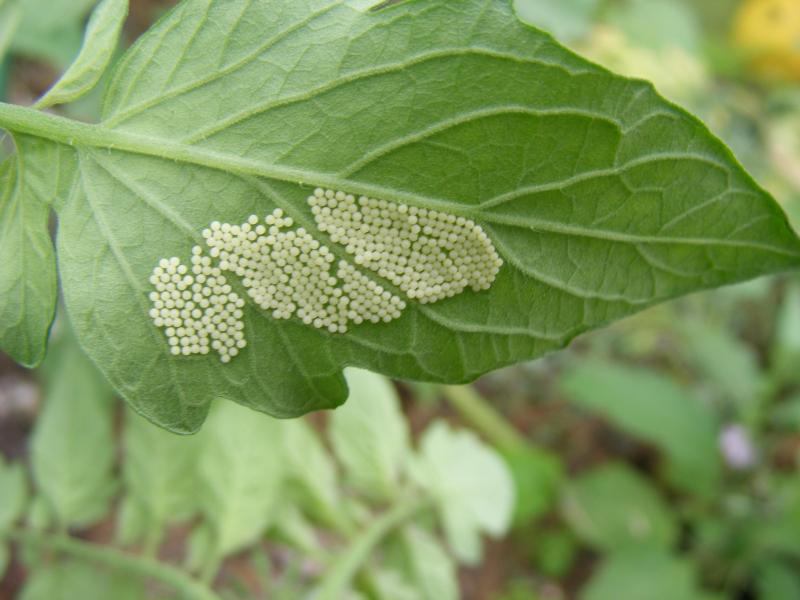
[{"x": 77, "y": 135}]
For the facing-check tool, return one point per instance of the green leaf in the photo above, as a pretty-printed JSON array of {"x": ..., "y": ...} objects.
[
  {"x": 132, "y": 521},
  {"x": 391, "y": 585},
  {"x": 99, "y": 45},
  {"x": 725, "y": 360},
  {"x": 160, "y": 472},
  {"x": 13, "y": 495},
  {"x": 310, "y": 468},
  {"x": 73, "y": 580},
  {"x": 72, "y": 448},
  {"x": 612, "y": 507},
  {"x": 10, "y": 17},
  {"x": 601, "y": 197},
  {"x": 5, "y": 558},
  {"x": 370, "y": 435},
  {"x": 241, "y": 468},
  {"x": 566, "y": 19},
  {"x": 470, "y": 485},
  {"x": 28, "y": 277},
  {"x": 432, "y": 568},
  {"x": 658, "y": 24},
  {"x": 777, "y": 581},
  {"x": 656, "y": 410},
  {"x": 644, "y": 575},
  {"x": 537, "y": 477},
  {"x": 786, "y": 345},
  {"x": 51, "y": 29}
]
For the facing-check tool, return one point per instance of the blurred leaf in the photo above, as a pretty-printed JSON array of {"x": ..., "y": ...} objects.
[
  {"x": 310, "y": 467},
  {"x": 292, "y": 526},
  {"x": 39, "y": 516},
  {"x": 132, "y": 522},
  {"x": 555, "y": 552},
  {"x": 13, "y": 494},
  {"x": 80, "y": 581},
  {"x": 470, "y": 485},
  {"x": 653, "y": 408},
  {"x": 432, "y": 569},
  {"x": 656, "y": 24},
  {"x": 777, "y": 581},
  {"x": 28, "y": 278},
  {"x": 391, "y": 585},
  {"x": 72, "y": 448},
  {"x": 5, "y": 558},
  {"x": 10, "y": 17},
  {"x": 51, "y": 30},
  {"x": 241, "y": 467},
  {"x": 786, "y": 344},
  {"x": 160, "y": 472},
  {"x": 643, "y": 574},
  {"x": 786, "y": 414},
  {"x": 725, "y": 360},
  {"x": 537, "y": 476},
  {"x": 199, "y": 547},
  {"x": 99, "y": 44},
  {"x": 566, "y": 19},
  {"x": 370, "y": 435},
  {"x": 613, "y": 507}
]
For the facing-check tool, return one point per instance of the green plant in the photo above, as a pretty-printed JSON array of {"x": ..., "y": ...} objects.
[
  {"x": 599, "y": 197},
  {"x": 364, "y": 516}
]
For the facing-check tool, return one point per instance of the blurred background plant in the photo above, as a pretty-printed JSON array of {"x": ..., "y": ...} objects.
[{"x": 657, "y": 459}]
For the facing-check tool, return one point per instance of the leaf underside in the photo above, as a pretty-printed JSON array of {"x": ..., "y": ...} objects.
[
  {"x": 601, "y": 197},
  {"x": 28, "y": 272}
]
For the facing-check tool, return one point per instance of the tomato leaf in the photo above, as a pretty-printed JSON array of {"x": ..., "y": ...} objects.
[{"x": 600, "y": 197}]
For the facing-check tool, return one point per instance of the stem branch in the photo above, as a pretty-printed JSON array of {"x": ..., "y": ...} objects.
[
  {"x": 113, "y": 558},
  {"x": 342, "y": 572},
  {"x": 480, "y": 415}
]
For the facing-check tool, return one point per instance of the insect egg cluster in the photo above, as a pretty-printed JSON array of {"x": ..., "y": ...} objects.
[
  {"x": 197, "y": 310},
  {"x": 428, "y": 254},
  {"x": 289, "y": 273}
]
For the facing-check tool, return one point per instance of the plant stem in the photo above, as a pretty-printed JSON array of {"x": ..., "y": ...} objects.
[
  {"x": 113, "y": 558},
  {"x": 478, "y": 413},
  {"x": 336, "y": 581}
]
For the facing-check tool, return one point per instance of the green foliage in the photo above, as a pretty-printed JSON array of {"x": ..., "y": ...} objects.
[
  {"x": 724, "y": 360},
  {"x": 537, "y": 478},
  {"x": 565, "y": 19},
  {"x": 656, "y": 24},
  {"x": 310, "y": 468},
  {"x": 73, "y": 580},
  {"x": 370, "y": 435},
  {"x": 644, "y": 575},
  {"x": 657, "y": 410},
  {"x": 243, "y": 476},
  {"x": 13, "y": 494},
  {"x": 777, "y": 581},
  {"x": 99, "y": 44},
  {"x": 241, "y": 471},
  {"x": 471, "y": 487},
  {"x": 28, "y": 278},
  {"x": 604, "y": 198},
  {"x": 10, "y": 16},
  {"x": 72, "y": 450},
  {"x": 160, "y": 476},
  {"x": 432, "y": 569},
  {"x": 612, "y": 507},
  {"x": 50, "y": 29}
]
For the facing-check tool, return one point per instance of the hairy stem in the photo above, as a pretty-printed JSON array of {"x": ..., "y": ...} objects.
[
  {"x": 140, "y": 566},
  {"x": 480, "y": 415},
  {"x": 339, "y": 576}
]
